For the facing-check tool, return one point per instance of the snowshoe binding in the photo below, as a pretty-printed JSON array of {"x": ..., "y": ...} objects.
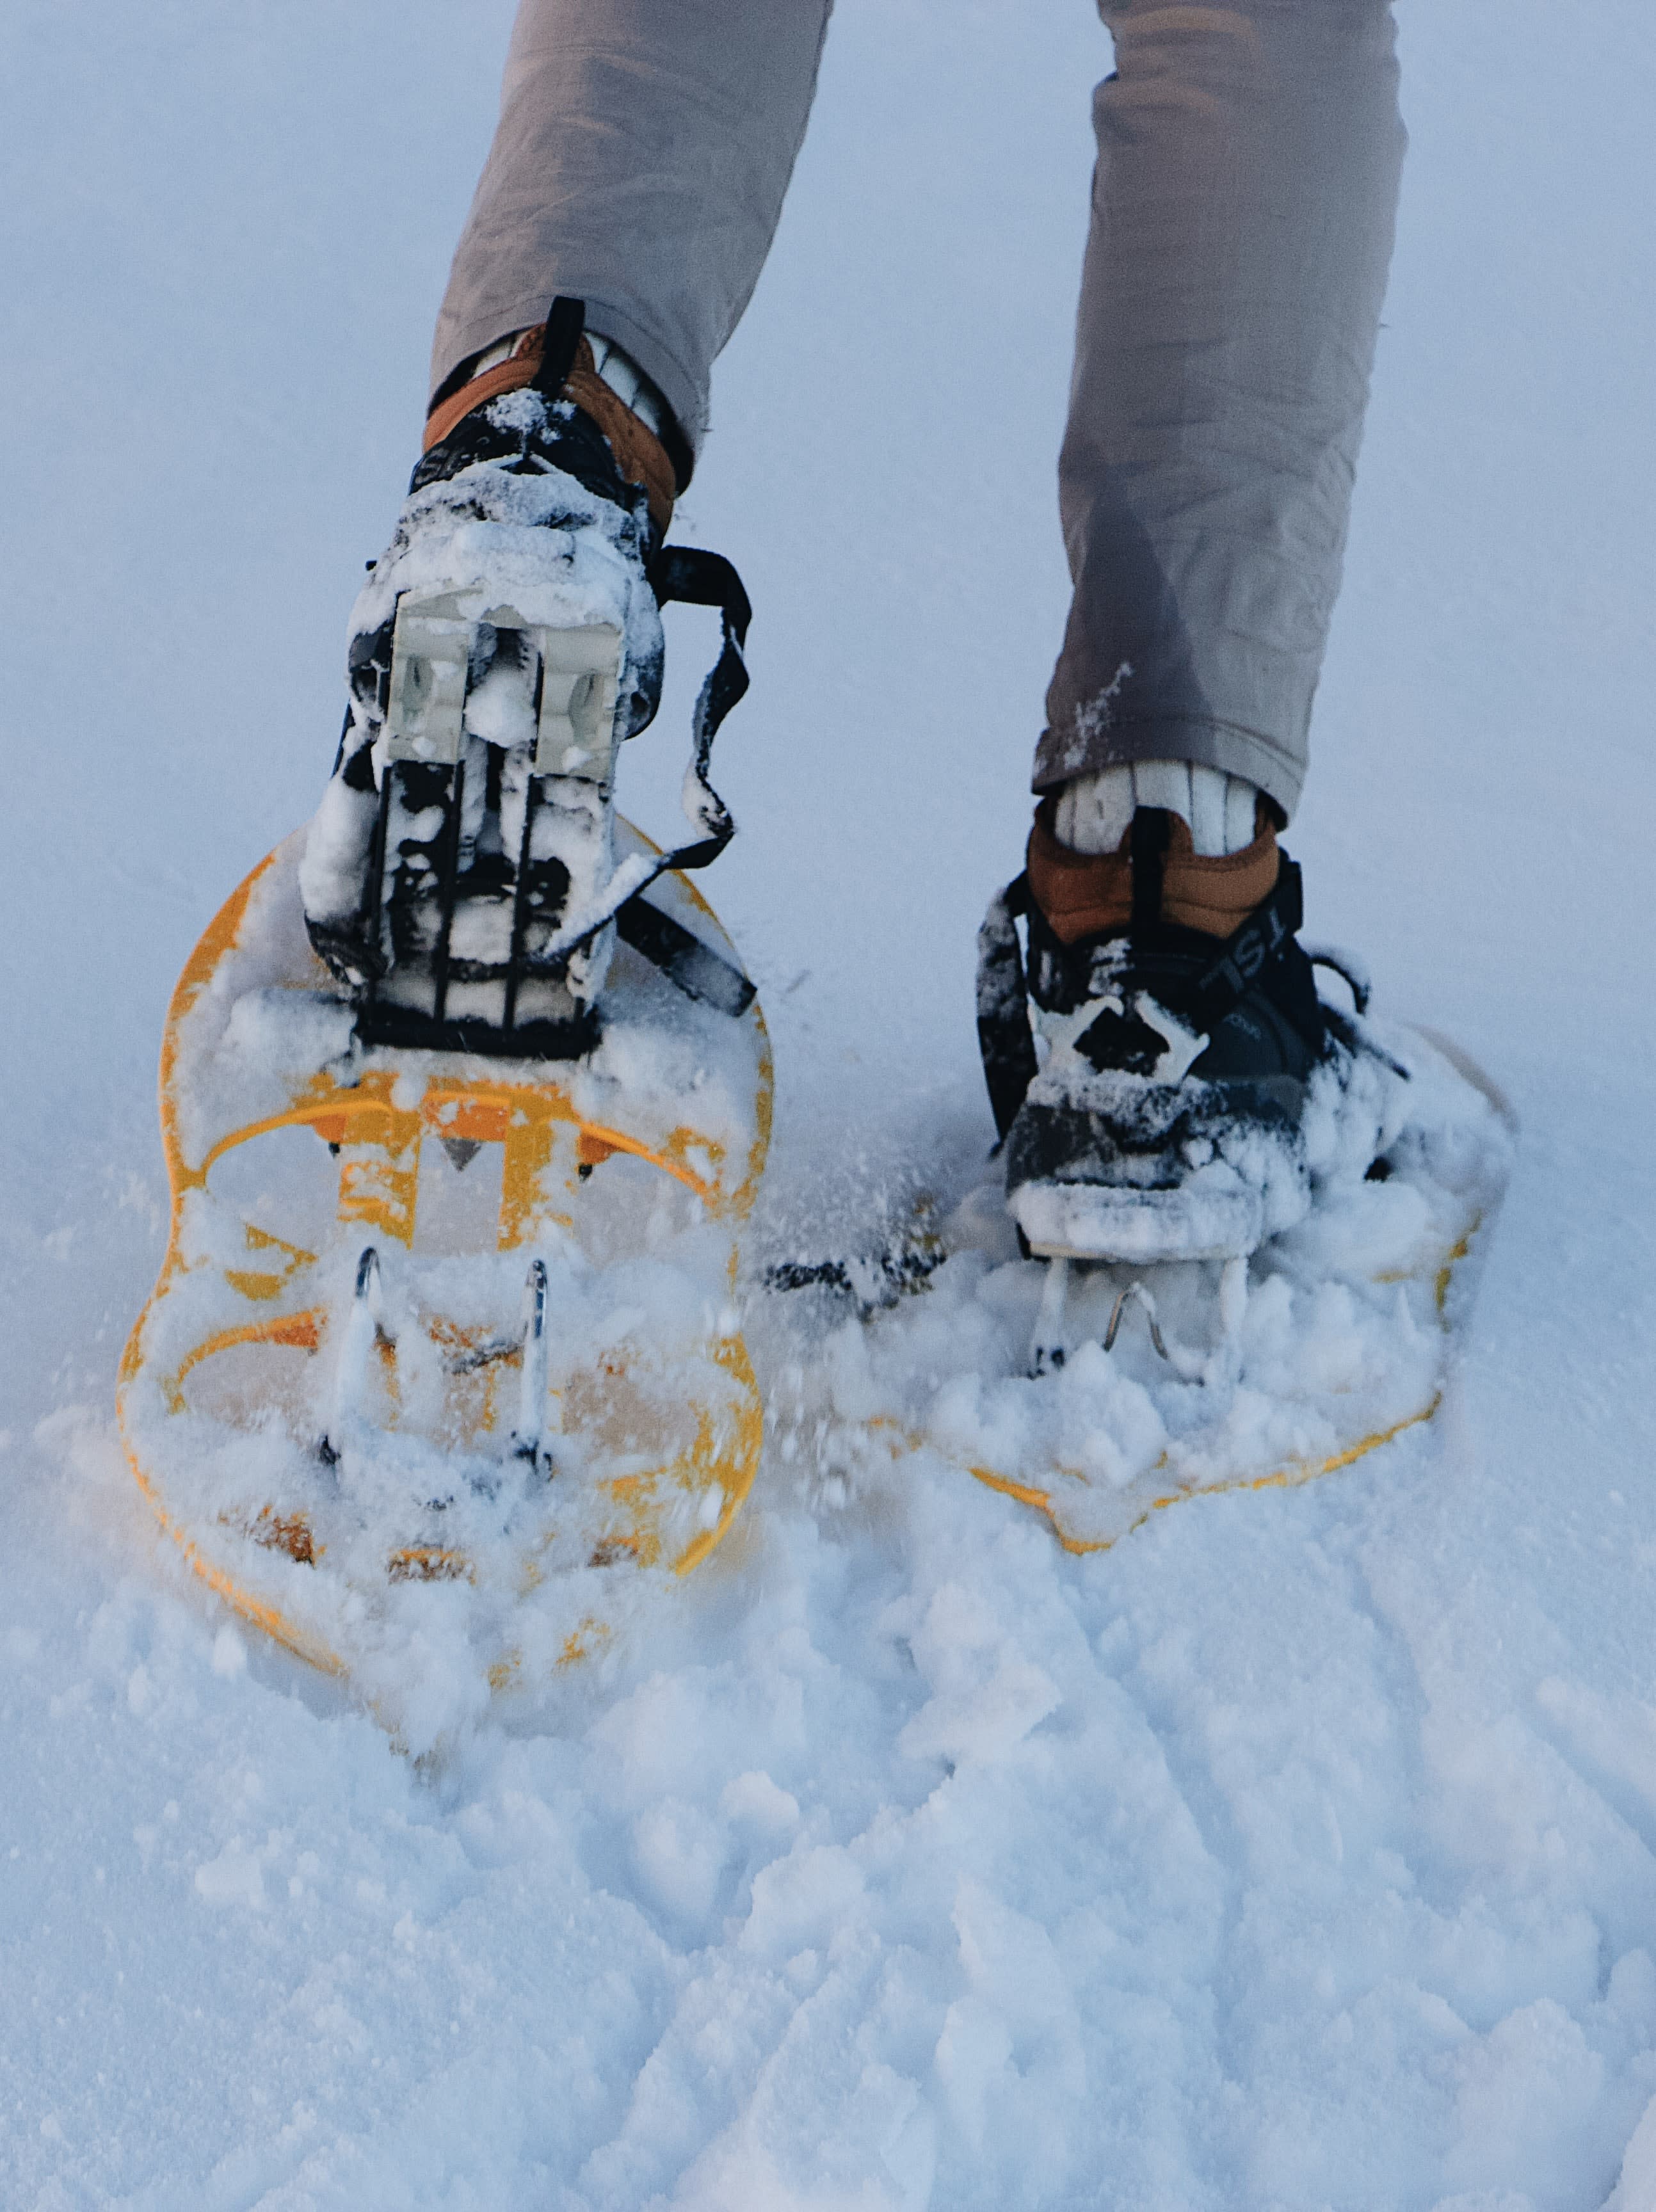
[{"x": 1167, "y": 1119}]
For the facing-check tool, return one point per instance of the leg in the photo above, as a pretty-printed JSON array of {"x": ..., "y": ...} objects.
[
  {"x": 1243, "y": 208},
  {"x": 643, "y": 149},
  {"x": 461, "y": 877}
]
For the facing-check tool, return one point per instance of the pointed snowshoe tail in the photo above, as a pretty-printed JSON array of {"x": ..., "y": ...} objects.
[
  {"x": 460, "y": 880},
  {"x": 1184, "y": 1037}
]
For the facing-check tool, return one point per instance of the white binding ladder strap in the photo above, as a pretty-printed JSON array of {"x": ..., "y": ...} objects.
[{"x": 579, "y": 682}]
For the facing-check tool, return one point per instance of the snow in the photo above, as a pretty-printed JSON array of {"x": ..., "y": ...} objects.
[{"x": 1300, "y": 1850}]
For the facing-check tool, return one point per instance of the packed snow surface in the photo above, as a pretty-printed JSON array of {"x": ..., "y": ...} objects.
[{"x": 1299, "y": 1851}]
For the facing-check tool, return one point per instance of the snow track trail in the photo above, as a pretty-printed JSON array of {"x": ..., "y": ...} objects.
[{"x": 1301, "y": 1852}]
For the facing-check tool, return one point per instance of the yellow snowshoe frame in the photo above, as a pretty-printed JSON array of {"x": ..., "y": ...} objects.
[{"x": 668, "y": 1516}]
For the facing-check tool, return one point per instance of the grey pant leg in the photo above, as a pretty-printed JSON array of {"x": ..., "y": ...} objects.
[
  {"x": 1249, "y": 158},
  {"x": 643, "y": 149}
]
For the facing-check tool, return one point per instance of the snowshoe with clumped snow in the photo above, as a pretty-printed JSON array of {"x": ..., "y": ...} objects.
[
  {"x": 442, "y": 1375},
  {"x": 1099, "y": 1392},
  {"x": 1227, "y": 1241},
  {"x": 466, "y": 1096}
]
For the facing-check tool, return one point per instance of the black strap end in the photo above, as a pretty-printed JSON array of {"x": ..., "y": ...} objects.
[
  {"x": 1290, "y": 895},
  {"x": 1148, "y": 841},
  {"x": 566, "y": 319}
]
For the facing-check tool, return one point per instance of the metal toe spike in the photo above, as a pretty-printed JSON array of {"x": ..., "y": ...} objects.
[{"x": 528, "y": 1439}]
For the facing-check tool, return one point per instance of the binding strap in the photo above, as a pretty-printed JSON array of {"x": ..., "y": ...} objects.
[
  {"x": 1222, "y": 984},
  {"x": 1148, "y": 841},
  {"x": 1005, "y": 1037},
  {"x": 691, "y": 966},
  {"x": 693, "y": 578},
  {"x": 555, "y": 359},
  {"x": 696, "y": 579},
  {"x": 566, "y": 323}
]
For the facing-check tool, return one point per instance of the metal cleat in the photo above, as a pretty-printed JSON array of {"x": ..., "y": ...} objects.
[
  {"x": 526, "y": 1437},
  {"x": 1046, "y": 1350},
  {"x": 362, "y": 1328}
]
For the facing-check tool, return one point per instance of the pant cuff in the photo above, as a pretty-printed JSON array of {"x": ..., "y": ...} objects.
[{"x": 1200, "y": 739}]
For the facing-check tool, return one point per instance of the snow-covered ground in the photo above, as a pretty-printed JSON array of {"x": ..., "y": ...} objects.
[{"x": 1301, "y": 1852}]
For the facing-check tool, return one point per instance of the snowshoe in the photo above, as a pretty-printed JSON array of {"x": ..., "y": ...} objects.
[
  {"x": 1228, "y": 1240},
  {"x": 442, "y": 1375},
  {"x": 442, "y": 1350}
]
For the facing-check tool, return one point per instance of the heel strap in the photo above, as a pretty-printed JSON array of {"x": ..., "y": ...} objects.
[{"x": 560, "y": 366}]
